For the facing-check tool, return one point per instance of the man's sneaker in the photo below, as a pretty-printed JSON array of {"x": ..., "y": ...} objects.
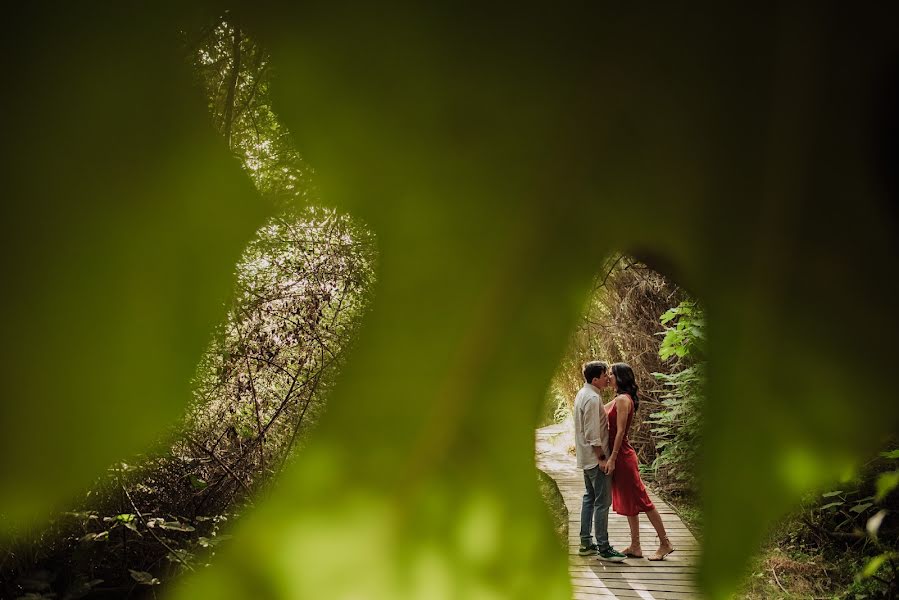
[
  {"x": 588, "y": 550},
  {"x": 611, "y": 555}
]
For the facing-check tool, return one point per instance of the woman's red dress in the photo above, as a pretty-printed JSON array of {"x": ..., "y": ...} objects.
[{"x": 629, "y": 495}]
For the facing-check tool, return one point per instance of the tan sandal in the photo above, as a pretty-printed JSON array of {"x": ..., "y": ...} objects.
[{"x": 659, "y": 555}]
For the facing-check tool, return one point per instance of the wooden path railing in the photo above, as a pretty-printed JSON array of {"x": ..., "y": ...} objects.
[{"x": 670, "y": 579}]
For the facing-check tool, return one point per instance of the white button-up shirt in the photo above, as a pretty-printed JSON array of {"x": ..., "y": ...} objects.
[{"x": 591, "y": 426}]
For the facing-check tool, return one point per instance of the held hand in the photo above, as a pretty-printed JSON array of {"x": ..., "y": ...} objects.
[
  {"x": 610, "y": 466},
  {"x": 602, "y": 464}
]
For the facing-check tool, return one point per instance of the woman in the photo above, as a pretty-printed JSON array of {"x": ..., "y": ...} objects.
[{"x": 629, "y": 495}]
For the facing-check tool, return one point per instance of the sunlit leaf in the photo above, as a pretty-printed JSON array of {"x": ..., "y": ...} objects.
[
  {"x": 143, "y": 578},
  {"x": 873, "y": 524},
  {"x": 95, "y": 537},
  {"x": 174, "y": 526},
  {"x": 873, "y": 565},
  {"x": 886, "y": 483}
]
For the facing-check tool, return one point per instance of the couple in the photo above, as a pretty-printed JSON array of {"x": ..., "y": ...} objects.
[{"x": 610, "y": 463}]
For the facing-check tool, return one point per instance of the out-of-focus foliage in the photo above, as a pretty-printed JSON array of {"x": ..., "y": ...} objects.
[
  {"x": 857, "y": 522},
  {"x": 746, "y": 150},
  {"x": 124, "y": 216},
  {"x": 300, "y": 291}
]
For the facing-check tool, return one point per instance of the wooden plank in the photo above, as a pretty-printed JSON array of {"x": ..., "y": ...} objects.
[
  {"x": 671, "y": 579},
  {"x": 681, "y": 578},
  {"x": 664, "y": 585},
  {"x": 664, "y": 566},
  {"x": 690, "y": 554},
  {"x": 590, "y": 593}
]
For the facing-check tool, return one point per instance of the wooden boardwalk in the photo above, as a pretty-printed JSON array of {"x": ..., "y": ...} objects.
[{"x": 671, "y": 579}]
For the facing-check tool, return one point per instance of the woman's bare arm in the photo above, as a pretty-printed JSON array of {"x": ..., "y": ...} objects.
[{"x": 622, "y": 404}]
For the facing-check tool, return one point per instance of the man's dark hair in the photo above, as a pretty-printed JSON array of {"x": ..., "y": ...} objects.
[{"x": 594, "y": 368}]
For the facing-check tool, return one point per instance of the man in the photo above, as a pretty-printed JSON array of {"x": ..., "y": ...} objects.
[{"x": 591, "y": 442}]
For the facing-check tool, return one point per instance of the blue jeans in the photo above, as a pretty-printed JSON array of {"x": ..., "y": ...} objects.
[{"x": 597, "y": 499}]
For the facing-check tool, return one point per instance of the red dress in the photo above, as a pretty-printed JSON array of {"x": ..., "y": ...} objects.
[{"x": 629, "y": 495}]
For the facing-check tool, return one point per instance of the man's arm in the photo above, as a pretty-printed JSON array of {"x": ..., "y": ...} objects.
[
  {"x": 595, "y": 434},
  {"x": 600, "y": 457}
]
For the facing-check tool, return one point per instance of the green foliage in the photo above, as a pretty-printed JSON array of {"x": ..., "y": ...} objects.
[
  {"x": 143, "y": 578},
  {"x": 486, "y": 163},
  {"x": 886, "y": 483},
  {"x": 856, "y": 522},
  {"x": 301, "y": 286},
  {"x": 686, "y": 339},
  {"x": 126, "y": 216},
  {"x": 678, "y": 425}
]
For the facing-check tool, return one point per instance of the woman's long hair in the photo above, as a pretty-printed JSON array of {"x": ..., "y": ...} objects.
[{"x": 625, "y": 381}]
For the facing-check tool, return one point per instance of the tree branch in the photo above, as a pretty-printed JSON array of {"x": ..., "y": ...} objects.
[
  {"x": 150, "y": 529},
  {"x": 232, "y": 87}
]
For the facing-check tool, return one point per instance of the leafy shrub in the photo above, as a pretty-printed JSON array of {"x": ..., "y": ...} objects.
[{"x": 677, "y": 426}]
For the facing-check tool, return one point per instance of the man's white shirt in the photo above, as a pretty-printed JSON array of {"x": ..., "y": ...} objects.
[{"x": 591, "y": 426}]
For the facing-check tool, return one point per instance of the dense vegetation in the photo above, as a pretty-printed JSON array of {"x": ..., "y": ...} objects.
[
  {"x": 301, "y": 287},
  {"x": 498, "y": 156},
  {"x": 842, "y": 543}
]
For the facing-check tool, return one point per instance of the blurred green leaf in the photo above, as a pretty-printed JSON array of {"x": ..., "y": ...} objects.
[
  {"x": 125, "y": 215},
  {"x": 874, "y": 564},
  {"x": 486, "y": 149},
  {"x": 886, "y": 483}
]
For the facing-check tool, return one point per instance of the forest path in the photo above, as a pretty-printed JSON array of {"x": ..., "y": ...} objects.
[{"x": 670, "y": 579}]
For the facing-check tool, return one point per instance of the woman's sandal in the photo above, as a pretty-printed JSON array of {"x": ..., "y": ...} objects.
[
  {"x": 627, "y": 552},
  {"x": 657, "y": 556}
]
